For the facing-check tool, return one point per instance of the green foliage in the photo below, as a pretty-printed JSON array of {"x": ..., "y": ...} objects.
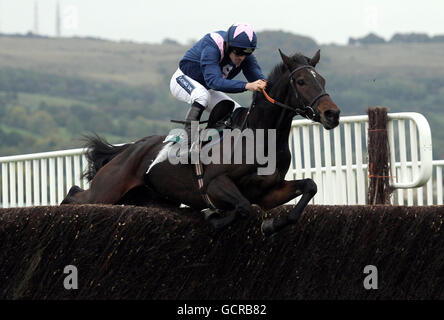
[
  {"x": 42, "y": 110},
  {"x": 371, "y": 38}
]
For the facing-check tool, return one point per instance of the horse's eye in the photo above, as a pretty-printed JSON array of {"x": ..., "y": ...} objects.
[{"x": 301, "y": 82}]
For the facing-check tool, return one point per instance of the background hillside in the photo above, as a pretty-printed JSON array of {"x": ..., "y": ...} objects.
[{"x": 54, "y": 90}]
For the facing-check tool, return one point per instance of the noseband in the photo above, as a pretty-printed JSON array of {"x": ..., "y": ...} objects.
[{"x": 310, "y": 112}]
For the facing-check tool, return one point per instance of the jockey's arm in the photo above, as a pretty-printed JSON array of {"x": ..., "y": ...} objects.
[
  {"x": 209, "y": 63},
  {"x": 251, "y": 69}
]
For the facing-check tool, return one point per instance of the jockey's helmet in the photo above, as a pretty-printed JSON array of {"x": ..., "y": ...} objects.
[{"x": 241, "y": 39}]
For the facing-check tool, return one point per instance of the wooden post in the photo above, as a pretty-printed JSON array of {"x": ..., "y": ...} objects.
[{"x": 379, "y": 189}]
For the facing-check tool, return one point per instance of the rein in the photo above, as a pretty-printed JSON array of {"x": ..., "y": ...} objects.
[
  {"x": 282, "y": 105},
  {"x": 307, "y": 111}
]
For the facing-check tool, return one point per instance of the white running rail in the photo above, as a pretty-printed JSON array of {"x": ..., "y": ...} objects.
[
  {"x": 41, "y": 178},
  {"x": 336, "y": 160}
]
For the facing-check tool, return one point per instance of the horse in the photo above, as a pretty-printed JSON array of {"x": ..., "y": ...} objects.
[{"x": 294, "y": 87}]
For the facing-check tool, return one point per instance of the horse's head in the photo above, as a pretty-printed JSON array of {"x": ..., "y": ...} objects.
[{"x": 308, "y": 90}]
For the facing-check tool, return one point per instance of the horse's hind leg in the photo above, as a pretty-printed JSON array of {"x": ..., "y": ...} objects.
[
  {"x": 71, "y": 196},
  {"x": 109, "y": 185},
  {"x": 281, "y": 195},
  {"x": 122, "y": 173},
  {"x": 225, "y": 195}
]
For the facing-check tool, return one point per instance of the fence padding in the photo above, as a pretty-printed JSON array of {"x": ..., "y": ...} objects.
[{"x": 126, "y": 252}]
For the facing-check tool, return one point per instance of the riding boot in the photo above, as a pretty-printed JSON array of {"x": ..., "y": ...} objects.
[{"x": 193, "y": 114}]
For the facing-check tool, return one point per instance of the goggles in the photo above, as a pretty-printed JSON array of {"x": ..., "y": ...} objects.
[{"x": 242, "y": 51}]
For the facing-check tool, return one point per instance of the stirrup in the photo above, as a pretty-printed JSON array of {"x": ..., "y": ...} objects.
[{"x": 185, "y": 122}]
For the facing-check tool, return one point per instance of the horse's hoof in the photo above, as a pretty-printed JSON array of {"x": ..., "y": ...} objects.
[
  {"x": 267, "y": 227},
  {"x": 211, "y": 213},
  {"x": 218, "y": 224}
]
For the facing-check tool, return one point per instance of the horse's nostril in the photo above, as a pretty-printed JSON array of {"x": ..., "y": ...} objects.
[{"x": 332, "y": 114}]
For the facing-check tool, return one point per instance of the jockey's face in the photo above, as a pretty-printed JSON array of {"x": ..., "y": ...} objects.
[{"x": 237, "y": 60}]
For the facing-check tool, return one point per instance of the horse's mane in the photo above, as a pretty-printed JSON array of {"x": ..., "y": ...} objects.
[{"x": 280, "y": 69}]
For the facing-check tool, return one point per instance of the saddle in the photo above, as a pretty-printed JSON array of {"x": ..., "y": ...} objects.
[
  {"x": 221, "y": 112},
  {"x": 221, "y": 117}
]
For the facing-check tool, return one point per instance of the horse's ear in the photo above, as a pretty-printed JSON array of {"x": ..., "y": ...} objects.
[
  {"x": 315, "y": 59},
  {"x": 285, "y": 59}
]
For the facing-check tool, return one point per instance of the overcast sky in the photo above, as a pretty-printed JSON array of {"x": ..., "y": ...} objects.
[{"x": 326, "y": 21}]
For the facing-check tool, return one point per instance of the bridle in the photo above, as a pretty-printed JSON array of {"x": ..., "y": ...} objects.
[{"x": 308, "y": 111}]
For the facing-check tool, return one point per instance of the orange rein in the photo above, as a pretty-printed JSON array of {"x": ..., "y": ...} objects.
[{"x": 270, "y": 99}]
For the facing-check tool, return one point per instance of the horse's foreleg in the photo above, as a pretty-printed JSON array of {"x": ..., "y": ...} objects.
[
  {"x": 282, "y": 193},
  {"x": 286, "y": 192},
  {"x": 225, "y": 195}
]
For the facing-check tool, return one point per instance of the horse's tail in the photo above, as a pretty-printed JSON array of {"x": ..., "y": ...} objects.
[{"x": 99, "y": 152}]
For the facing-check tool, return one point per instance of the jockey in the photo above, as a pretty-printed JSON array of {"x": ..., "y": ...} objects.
[{"x": 206, "y": 71}]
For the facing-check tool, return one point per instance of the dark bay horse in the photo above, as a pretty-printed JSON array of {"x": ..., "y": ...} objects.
[{"x": 296, "y": 87}]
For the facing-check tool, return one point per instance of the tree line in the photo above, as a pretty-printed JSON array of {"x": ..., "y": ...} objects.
[
  {"x": 373, "y": 38},
  {"x": 32, "y": 122}
]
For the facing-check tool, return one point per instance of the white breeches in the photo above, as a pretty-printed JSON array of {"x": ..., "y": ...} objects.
[{"x": 189, "y": 90}]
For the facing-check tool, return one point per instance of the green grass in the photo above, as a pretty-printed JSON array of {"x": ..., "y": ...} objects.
[
  {"x": 9, "y": 129},
  {"x": 423, "y": 60},
  {"x": 146, "y": 64},
  {"x": 33, "y": 101},
  {"x": 130, "y": 63}
]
